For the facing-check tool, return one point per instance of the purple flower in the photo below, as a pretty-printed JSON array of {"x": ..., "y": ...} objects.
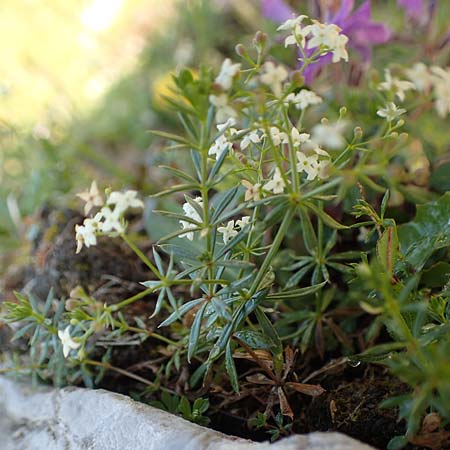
[
  {"x": 415, "y": 9},
  {"x": 358, "y": 26},
  {"x": 276, "y": 10}
]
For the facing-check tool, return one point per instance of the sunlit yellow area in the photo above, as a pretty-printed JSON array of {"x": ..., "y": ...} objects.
[{"x": 59, "y": 57}]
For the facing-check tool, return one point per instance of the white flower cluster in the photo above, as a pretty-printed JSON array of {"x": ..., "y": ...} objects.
[
  {"x": 303, "y": 99},
  {"x": 326, "y": 38},
  {"x": 223, "y": 143},
  {"x": 191, "y": 213},
  {"x": 110, "y": 218},
  {"x": 224, "y": 81},
  {"x": 435, "y": 79},
  {"x": 233, "y": 228}
]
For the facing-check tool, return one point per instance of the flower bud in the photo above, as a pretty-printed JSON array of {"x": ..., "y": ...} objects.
[
  {"x": 77, "y": 292},
  {"x": 358, "y": 132},
  {"x": 342, "y": 112},
  {"x": 71, "y": 304},
  {"x": 241, "y": 50},
  {"x": 260, "y": 38}
]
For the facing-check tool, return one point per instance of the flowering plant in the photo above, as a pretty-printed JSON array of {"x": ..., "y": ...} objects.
[{"x": 280, "y": 238}]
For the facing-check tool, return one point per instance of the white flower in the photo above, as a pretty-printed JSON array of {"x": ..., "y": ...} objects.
[
  {"x": 306, "y": 98},
  {"x": 339, "y": 49},
  {"x": 92, "y": 197},
  {"x": 124, "y": 201},
  {"x": 228, "y": 232},
  {"x": 329, "y": 37},
  {"x": 278, "y": 137},
  {"x": 309, "y": 165},
  {"x": 393, "y": 84},
  {"x": 391, "y": 112},
  {"x": 421, "y": 76},
  {"x": 276, "y": 184},
  {"x": 228, "y": 126},
  {"x": 329, "y": 134},
  {"x": 67, "y": 342},
  {"x": 242, "y": 223},
  {"x": 191, "y": 212},
  {"x": 299, "y": 138},
  {"x": 252, "y": 192},
  {"x": 273, "y": 76},
  {"x": 323, "y": 168},
  {"x": 441, "y": 84},
  {"x": 253, "y": 136},
  {"x": 220, "y": 145},
  {"x": 223, "y": 109},
  {"x": 112, "y": 220},
  {"x": 298, "y": 33},
  {"x": 291, "y": 24},
  {"x": 86, "y": 234},
  {"x": 323, "y": 34},
  {"x": 290, "y": 40},
  {"x": 227, "y": 72}
]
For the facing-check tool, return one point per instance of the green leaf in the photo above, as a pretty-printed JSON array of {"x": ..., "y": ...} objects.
[
  {"x": 296, "y": 292},
  {"x": 181, "y": 311},
  {"x": 176, "y": 188},
  {"x": 326, "y": 218},
  {"x": 231, "y": 368},
  {"x": 439, "y": 179},
  {"x": 387, "y": 250},
  {"x": 397, "y": 443},
  {"x": 225, "y": 201},
  {"x": 429, "y": 231},
  {"x": 254, "y": 339},
  {"x": 171, "y": 137},
  {"x": 195, "y": 332},
  {"x": 437, "y": 275},
  {"x": 185, "y": 408},
  {"x": 309, "y": 235},
  {"x": 269, "y": 331}
]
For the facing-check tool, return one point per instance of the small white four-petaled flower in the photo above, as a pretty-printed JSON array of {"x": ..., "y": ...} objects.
[
  {"x": 394, "y": 85},
  {"x": 390, "y": 112},
  {"x": 67, "y": 342},
  {"x": 252, "y": 190},
  {"x": 124, "y": 201},
  {"x": 227, "y": 73},
  {"x": 276, "y": 184},
  {"x": 273, "y": 76},
  {"x": 228, "y": 232},
  {"x": 92, "y": 197}
]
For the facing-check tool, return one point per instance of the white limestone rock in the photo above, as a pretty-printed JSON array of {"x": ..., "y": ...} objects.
[{"x": 83, "y": 419}]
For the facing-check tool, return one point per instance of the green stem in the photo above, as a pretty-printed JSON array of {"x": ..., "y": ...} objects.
[
  {"x": 141, "y": 255},
  {"x": 273, "y": 250}
]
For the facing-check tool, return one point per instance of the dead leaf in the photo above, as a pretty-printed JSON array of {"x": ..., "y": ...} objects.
[
  {"x": 314, "y": 390},
  {"x": 259, "y": 378},
  {"x": 285, "y": 407}
]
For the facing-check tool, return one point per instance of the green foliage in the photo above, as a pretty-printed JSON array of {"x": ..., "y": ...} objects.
[
  {"x": 181, "y": 405},
  {"x": 295, "y": 236}
]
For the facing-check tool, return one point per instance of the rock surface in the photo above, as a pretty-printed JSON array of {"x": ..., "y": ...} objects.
[{"x": 82, "y": 419}]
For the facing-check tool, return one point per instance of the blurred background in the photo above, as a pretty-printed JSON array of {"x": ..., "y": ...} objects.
[{"x": 83, "y": 82}]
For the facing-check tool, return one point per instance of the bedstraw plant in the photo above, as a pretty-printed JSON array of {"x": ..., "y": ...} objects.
[{"x": 282, "y": 241}]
